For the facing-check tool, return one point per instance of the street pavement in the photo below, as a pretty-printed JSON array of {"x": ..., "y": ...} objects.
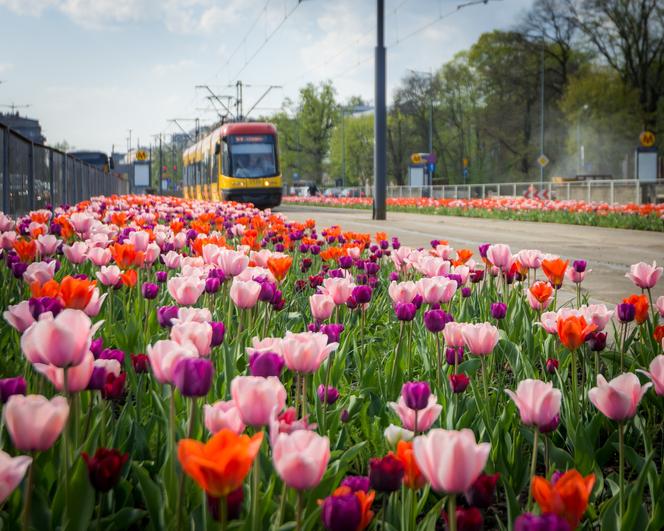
[{"x": 609, "y": 252}]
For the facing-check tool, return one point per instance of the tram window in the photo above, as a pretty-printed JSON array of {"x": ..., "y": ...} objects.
[
  {"x": 215, "y": 165},
  {"x": 225, "y": 161}
]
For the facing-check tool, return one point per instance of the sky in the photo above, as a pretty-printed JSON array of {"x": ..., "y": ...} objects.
[{"x": 91, "y": 70}]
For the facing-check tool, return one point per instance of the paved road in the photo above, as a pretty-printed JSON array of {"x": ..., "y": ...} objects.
[{"x": 609, "y": 252}]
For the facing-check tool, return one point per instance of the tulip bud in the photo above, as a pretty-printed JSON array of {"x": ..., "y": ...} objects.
[
  {"x": 212, "y": 285},
  {"x": 12, "y": 386},
  {"x": 332, "y": 331},
  {"x": 466, "y": 292},
  {"x": 597, "y": 341},
  {"x": 483, "y": 491},
  {"x": 140, "y": 362},
  {"x": 454, "y": 355},
  {"x": 327, "y": 395},
  {"x": 265, "y": 364},
  {"x": 405, "y": 311},
  {"x": 193, "y": 376},
  {"x": 435, "y": 320},
  {"x": 114, "y": 387},
  {"x": 341, "y": 513},
  {"x": 345, "y": 416},
  {"x": 96, "y": 347},
  {"x": 356, "y": 483},
  {"x": 218, "y": 332},
  {"x": 104, "y": 468},
  {"x": 362, "y": 294},
  {"x": 498, "y": 310},
  {"x": 579, "y": 266},
  {"x": 345, "y": 262},
  {"x": 626, "y": 312},
  {"x": 552, "y": 365},
  {"x": 165, "y": 314},
  {"x": 416, "y": 394},
  {"x": 458, "y": 382},
  {"x": 161, "y": 276},
  {"x": 385, "y": 474},
  {"x": 149, "y": 290}
]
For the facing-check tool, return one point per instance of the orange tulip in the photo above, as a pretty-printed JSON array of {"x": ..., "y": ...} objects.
[
  {"x": 40, "y": 216},
  {"x": 542, "y": 291},
  {"x": 366, "y": 499},
  {"x": 176, "y": 226},
  {"x": 555, "y": 270},
  {"x": 381, "y": 237},
  {"x": 50, "y": 288},
  {"x": 412, "y": 477},
  {"x": 26, "y": 249},
  {"x": 220, "y": 465},
  {"x": 567, "y": 498},
  {"x": 75, "y": 293},
  {"x": 463, "y": 255},
  {"x": 279, "y": 266},
  {"x": 125, "y": 255},
  {"x": 129, "y": 278},
  {"x": 640, "y": 303},
  {"x": 573, "y": 331}
]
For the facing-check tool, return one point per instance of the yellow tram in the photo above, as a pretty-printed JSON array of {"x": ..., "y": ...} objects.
[{"x": 235, "y": 162}]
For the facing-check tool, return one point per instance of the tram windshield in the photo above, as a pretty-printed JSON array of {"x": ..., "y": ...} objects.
[{"x": 252, "y": 156}]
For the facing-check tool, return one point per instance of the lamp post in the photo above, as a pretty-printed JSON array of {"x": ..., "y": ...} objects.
[
  {"x": 580, "y": 161},
  {"x": 380, "y": 118}
]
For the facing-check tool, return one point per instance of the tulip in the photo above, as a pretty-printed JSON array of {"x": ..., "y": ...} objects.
[
  {"x": 34, "y": 422},
  {"x": 599, "y": 315},
  {"x": 458, "y": 382},
  {"x": 573, "y": 331},
  {"x": 356, "y": 483},
  {"x": 193, "y": 376},
  {"x": 12, "y": 470},
  {"x": 437, "y": 289},
  {"x": 402, "y": 292},
  {"x": 62, "y": 341},
  {"x": 640, "y": 303},
  {"x": 417, "y": 420},
  {"x": 467, "y": 519},
  {"x": 149, "y": 290},
  {"x": 113, "y": 354},
  {"x": 453, "y": 334},
  {"x": 114, "y": 386},
  {"x": 362, "y": 294},
  {"x": 166, "y": 314},
  {"x": 219, "y": 466},
  {"x": 78, "y": 376},
  {"x": 195, "y": 335},
  {"x": 416, "y": 395},
  {"x": 245, "y": 293},
  {"x": 340, "y": 289},
  {"x": 482, "y": 492},
  {"x": 76, "y": 252},
  {"x": 47, "y": 244},
  {"x": 12, "y": 386},
  {"x": 186, "y": 290},
  {"x": 498, "y": 310},
  {"x": 300, "y": 458},
  {"x": 218, "y": 332},
  {"x": 656, "y": 374},
  {"x": 341, "y": 513},
  {"x": 19, "y": 316},
  {"x": 597, "y": 341},
  {"x": 321, "y": 306},
  {"x": 500, "y": 256},
  {"x": 554, "y": 269},
  {"x": 644, "y": 276},
  {"x": 436, "y": 320},
  {"x": 480, "y": 338},
  {"x": 233, "y": 504},
  {"x": 567, "y": 498},
  {"x": 551, "y": 365},
  {"x": 40, "y": 272},
  {"x": 222, "y": 415},
  {"x": 619, "y": 398},
  {"x": 256, "y": 398},
  {"x": 327, "y": 395},
  {"x": 405, "y": 311},
  {"x": 164, "y": 355},
  {"x": 659, "y": 304},
  {"x": 99, "y": 256},
  {"x": 109, "y": 275},
  {"x": 104, "y": 468},
  {"x": 265, "y": 364},
  {"x": 540, "y": 295},
  {"x": 538, "y": 402},
  {"x": 306, "y": 351},
  {"x": 450, "y": 460},
  {"x": 625, "y": 312},
  {"x": 544, "y": 522},
  {"x": 385, "y": 474},
  {"x": 140, "y": 363}
]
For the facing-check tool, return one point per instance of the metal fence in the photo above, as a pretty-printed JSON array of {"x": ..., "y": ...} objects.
[
  {"x": 610, "y": 191},
  {"x": 33, "y": 176}
]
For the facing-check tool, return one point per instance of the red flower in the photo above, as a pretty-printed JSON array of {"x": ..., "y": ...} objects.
[
  {"x": 140, "y": 362},
  {"x": 458, "y": 382},
  {"x": 104, "y": 468},
  {"x": 640, "y": 303},
  {"x": 114, "y": 387}
]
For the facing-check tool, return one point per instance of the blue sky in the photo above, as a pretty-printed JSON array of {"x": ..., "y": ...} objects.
[{"x": 93, "y": 69}]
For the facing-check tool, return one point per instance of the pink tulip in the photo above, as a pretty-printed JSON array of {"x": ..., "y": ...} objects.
[
  {"x": 244, "y": 293},
  {"x": 109, "y": 366},
  {"x": 172, "y": 260},
  {"x": 340, "y": 289},
  {"x": 530, "y": 258},
  {"x": 94, "y": 306},
  {"x": 34, "y": 422},
  {"x": 433, "y": 266},
  {"x": 399, "y": 256},
  {"x": 152, "y": 253},
  {"x": 222, "y": 415},
  {"x": 99, "y": 256},
  {"x": 403, "y": 292},
  {"x": 179, "y": 240},
  {"x": 267, "y": 344},
  {"x": 109, "y": 275},
  {"x": 322, "y": 306},
  {"x": 436, "y": 290},
  {"x": 453, "y": 334},
  {"x": 261, "y": 257},
  {"x": 450, "y": 460},
  {"x": 287, "y": 422},
  {"x": 425, "y": 417},
  {"x": 139, "y": 239},
  {"x": 500, "y": 255},
  {"x": 6, "y": 223},
  {"x": 480, "y": 338},
  {"x": 62, "y": 341},
  {"x": 186, "y": 290},
  {"x": 232, "y": 262},
  {"x": 300, "y": 458},
  {"x": 659, "y": 304},
  {"x": 644, "y": 276},
  {"x": 256, "y": 397},
  {"x": 575, "y": 276},
  {"x": 76, "y": 252},
  {"x": 656, "y": 373},
  {"x": 40, "y": 272},
  {"x": 47, "y": 244},
  {"x": 538, "y": 402},
  {"x": 306, "y": 351},
  {"x": 7, "y": 240},
  {"x": 82, "y": 222},
  {"x": 549, "y": 321},
  {"x": 12, "y": 470},
  {"x": 195, "y": 335},
  {"x": 618, "y": 398},
  {"x": 164, "y": 356},
  {"x": 187, "y": 313},
  {"x": 78, "y": 376},
  {"x": 598, "y": 314},
  {"x": 19, "y": 316}
]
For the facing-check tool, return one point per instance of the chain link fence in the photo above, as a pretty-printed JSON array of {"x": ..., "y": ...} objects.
[{"x": 33, "y": 176}]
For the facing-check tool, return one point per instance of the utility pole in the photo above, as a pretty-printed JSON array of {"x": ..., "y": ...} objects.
[
  {"x": 238, "y": 100},
  {"x": 380, "y": 120},
  {"x": 343, "y": 148},
  {"x": 161, "y": 169},
  {"x": 542, "y": 117}
]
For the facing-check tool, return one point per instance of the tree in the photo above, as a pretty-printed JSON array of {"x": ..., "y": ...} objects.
[
  {"x": 357, "y": 137},
  {"x": 629, "y": 34}
]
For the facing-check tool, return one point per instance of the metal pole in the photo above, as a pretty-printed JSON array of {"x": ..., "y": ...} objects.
[
  {"x": 343, "y": 149},
  {"x": 52, "y": 178},
  {"x": 542, "y": 116},
  {"x": 31, "y": 176},
  {"x": 5, "y": 171},
  {"x": 431, "y": 126},
  {"x": 380, "y": 121},
  {"x": 161, "y": 169}
]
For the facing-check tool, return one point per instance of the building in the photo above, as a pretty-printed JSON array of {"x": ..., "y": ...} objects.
[{"x": 27, "y": 127}]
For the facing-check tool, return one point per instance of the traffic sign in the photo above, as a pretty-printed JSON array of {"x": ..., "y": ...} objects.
[
  {"x": 416, "y": 158},
  {"x": 465, "y": 163},
  {"x": 647, "y": 139},
  {"x": 542, "y": 160},
  {"x": 141, "y": 154}
]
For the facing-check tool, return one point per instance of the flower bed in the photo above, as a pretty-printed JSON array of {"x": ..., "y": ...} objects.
[
  {"x": 173, "y": 364},
  {"x": 629, "y": 216}
]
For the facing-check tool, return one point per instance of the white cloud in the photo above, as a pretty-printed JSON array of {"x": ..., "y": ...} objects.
[
  {"x": 172, "y": 68},
  {"x": 5, "y": 67},
  {"x": 28, "y": 7}
]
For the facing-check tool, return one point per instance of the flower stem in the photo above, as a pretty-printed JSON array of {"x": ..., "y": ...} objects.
[
  {"x": 27, "y": 497},
  {"x": 298, "y": 517},
  {"x": 304, "y": 395},
  {"x": 533, "y": 465},
  {"x": 486, "y": 389},
  {"x": 451, "y": 513},
  {"x": 575, "y": 390},
  {"x": 621, "y": 467},
  {"x": 255, "y": 477},
  {"x": 223, "y": 513}
]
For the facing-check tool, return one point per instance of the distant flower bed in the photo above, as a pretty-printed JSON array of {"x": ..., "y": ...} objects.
[
  {"x": 628, "y": 216},
  {"x": 176, "y": 365}
]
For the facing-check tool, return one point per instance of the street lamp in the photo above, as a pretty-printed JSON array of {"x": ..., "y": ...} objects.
[
  {"x": 344, "y": 111},
  {"x": 581, "y": 160}
]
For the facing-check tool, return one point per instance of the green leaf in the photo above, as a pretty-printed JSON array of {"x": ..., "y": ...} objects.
[
  {"x": 151, "y": 495},
  {"x": 81, "y": 502}
]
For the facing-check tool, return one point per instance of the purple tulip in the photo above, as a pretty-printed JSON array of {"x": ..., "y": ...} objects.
[
  {"x": 483, "y": 249},
  {"x": 405, "y": 311},
  {"x": 417, "y": 301},
  {"x": 149, "y": 290},
  {"x": 18, "y": 268},
  {"x": 218, "y": 331},
  {"x": 579, "y": 266},
  {"x": 435, "y": 320},
  {"x": 332, "y": 331},
  {"x": 268, "y": 290},
  {"x": 345, "y": 262},
  {"x": 394, "y": 277},
  {"x": 498, "y": 310},
  {"x": 265, "y": 364},
  {"x": 193, "y": 376},
  {"x": 165, "y": 314},
  {"x": 356, "y": 483},
  {"x": 112, "y": 354},
  {"x": 454, "y": 354},
  {"x": 416, "y": 394},
  {"x": 12, "y": 386},
  {"x": 98, "y": 379},
  {"x": 597, "y": 341},
  {"x": 466, "y": 292},
  {"x": 96, "y": 346},
  {"x": 545, "y": 522},
  {"x": 212, "y": 285},
  {"x": 371, "y": 268},
  {"x": 341, "y": 513},
  {"x": 162, "y": 276},
  {"x": 626, "y": 312},
  {"x": 44, "y": 304},
  {"x": 327, "y": 395}
]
